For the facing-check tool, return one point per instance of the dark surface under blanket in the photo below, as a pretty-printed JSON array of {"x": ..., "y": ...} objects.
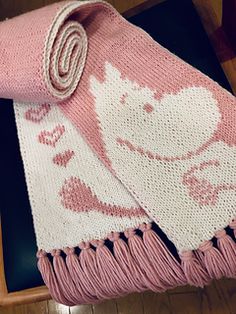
[{"x": 175, "y": 25}]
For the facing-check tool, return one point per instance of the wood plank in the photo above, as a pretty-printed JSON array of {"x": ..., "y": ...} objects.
[
  {"x": 144, "y": 5},
  {"x": 81, "y": 309},
  {"x": 130, "y": 304},
  {"x": 111, "y": 2},
  {"x": 213, "y": 300},
  {"x": 107, "y": 307},
  {"x": 156, "y": 303},
  {"x": 182, "y": 303},
  {"x": 34, "y": 308},
  {"x": 207, "y": 12},
  {"x": 37, "y": 308},
  {"x": 210, "y": 13},
  {"x": 12, "y": 8},
  {"x": 123, "y": 6},
  {"x": 20, "y": 309},
  {"x": 56, "y": 308},
  {"x": 25, "y": 296},
  {"x": 229, "y": 68},
  {"x": 227, "y": 288}
]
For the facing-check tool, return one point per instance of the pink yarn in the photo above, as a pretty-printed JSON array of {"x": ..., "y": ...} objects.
[
  {"x": 227, "y": 247},
  {"x": 98, "y": 274},
  {"x": 214, "y": 261},
  {"x": 196, "y": 275},
  {"x": 50, "y": 279},
  {"x": 140, "y": 255},
  {"x": 64, "y": 279},
  {"x": 126, "y": 262},
  {"x": 114, "y": 279},
  {"x": 173, "y": 275},
  {"x": 79, "y": 278},
  {"x": 89, "y": 266}
]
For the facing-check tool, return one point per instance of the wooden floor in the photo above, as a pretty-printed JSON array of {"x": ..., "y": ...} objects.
[{"x": 218, "y": 298}]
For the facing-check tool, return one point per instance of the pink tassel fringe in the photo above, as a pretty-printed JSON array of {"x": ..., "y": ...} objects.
[
  {"x": 111, "y": 273},
  {"x": 142, "y": 263},
  {"x": 193, "y": 270},
  {"x": 88, "y": 262},
  {"x": 50, "y": 279},
  {"x": 126, "y": 262},
  {"x": 173, "y": 275},
  {"x": 227, "y": 247},
  {"x": 214, "y": 261},
  {"x": 140, "y": 255},
  {"x": 64, "y": 279},
  {"x": 76, "y": 272}
]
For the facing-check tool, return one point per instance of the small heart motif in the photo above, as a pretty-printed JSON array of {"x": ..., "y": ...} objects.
[
  {"x": 202, "y": 190},
  {"x": 37, "y": 115},
  {"x": 62, "y": 159},
  {"x": 51, "y": 137}
]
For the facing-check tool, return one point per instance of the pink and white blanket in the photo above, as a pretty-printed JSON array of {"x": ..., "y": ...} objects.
[{"x": 119, "y": 136}]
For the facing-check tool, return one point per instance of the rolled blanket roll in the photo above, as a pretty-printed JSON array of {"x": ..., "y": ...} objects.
[{"x": 42, "y": 54}]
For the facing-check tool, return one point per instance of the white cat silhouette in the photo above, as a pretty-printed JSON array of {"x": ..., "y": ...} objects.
[
  {"x": 154, "y": 143},
  {"x": 165, "y": 128}
]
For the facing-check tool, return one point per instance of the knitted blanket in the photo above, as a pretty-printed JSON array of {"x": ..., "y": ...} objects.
[{"x": 129, "y": 154}]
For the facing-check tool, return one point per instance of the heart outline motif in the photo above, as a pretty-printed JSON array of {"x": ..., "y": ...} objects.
[
  {"x": 62, "y": 159},
  {"x": 36, "y": 115},
  {"x": 51, "y": 137}
]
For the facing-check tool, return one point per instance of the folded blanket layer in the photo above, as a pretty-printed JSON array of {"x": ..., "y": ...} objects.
[
  {"x": 42, "y": 54},
  {"x": 144, "y": 142}
]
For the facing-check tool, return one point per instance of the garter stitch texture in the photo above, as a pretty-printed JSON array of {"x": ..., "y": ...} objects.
[{"x": 126, "y": 148}]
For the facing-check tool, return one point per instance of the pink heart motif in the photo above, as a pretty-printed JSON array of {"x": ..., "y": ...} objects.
[
  {"x": 51, "y": 137},
  {"x": 78, "y": 197},
  {"x": 201, "y": 190},
  {"x": 62, "y": 159},
  {"x": 37, "y": 114}
]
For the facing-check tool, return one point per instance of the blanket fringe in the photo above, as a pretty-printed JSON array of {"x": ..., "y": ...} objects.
[
  {"x": 213, "y": 260},
  {"x": 82, "y": 283},
  {"x": 49, "y": 277},
  {"x": 195, "y": 274},
  {"x": 88, "y": 262},
  {"x": 126, "y": 262},
  {"x": 111, "y": 273},
  {"x": 65, "y": 281},
  {"x": 137, "y": 261},
  {"x": 173, "y": 274},
  {"x": 140, "y": 255},
  {"x": 227, "y": 247}
]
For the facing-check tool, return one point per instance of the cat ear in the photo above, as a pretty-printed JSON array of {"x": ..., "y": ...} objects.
[
  {"x": 112, "y": 74},
  {"x": 95, "y": 85}
]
